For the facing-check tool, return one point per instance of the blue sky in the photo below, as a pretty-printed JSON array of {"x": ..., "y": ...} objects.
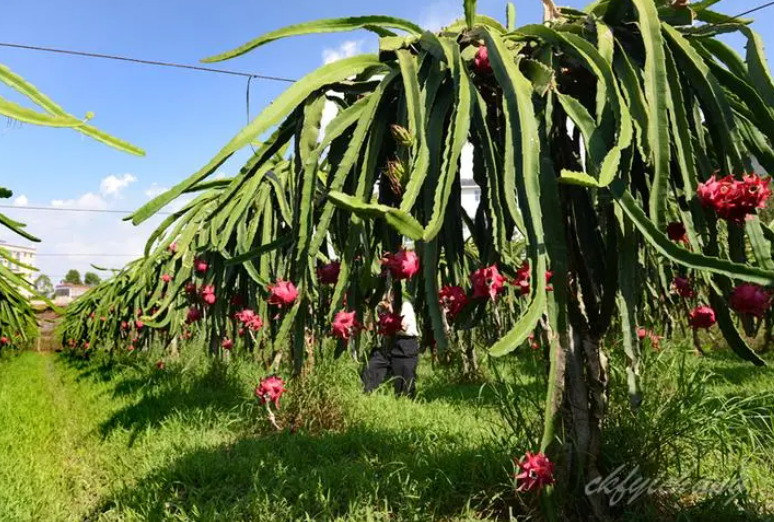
[{"x": 181, "y": 118}]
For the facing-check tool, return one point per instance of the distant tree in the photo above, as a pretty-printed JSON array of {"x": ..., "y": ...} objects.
[
  {"x": 91, "y": 279},
  {"x": 44, "y": 286},
  {"x": 73, "y": 277}
]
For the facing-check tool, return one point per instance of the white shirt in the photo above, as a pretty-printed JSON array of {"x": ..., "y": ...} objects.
[{"x": 409, "y": 324}]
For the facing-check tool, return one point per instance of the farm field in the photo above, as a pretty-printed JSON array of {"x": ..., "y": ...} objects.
[
  {"x": 479, "y": 264},
  {"x": 84, "y": 440}
]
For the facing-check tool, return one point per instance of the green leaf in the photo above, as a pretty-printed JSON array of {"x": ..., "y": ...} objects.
[
  {"x": 632, "y": 91},
  {"x": 680, "y": 255},
  {"x": 725, "y": 53},
  {"x": 456, "y": 137},
  {"x": 482, "y": 139},
  {"x": 602, "y": 68},
  {"x": 713, "y": 100},
  {"x": 592, "y": 136},
  {"x": 657, "y": 95},
  {"x": 351, "y": 156},
  {"x": 581, "y": 179},
  {"x": 730, "y": 332},
  {"x": 416, "y": 121},
  {"x": 470, "y": 13},
  {"x": 517, "y": 92},
  {"x": 330, "y": 25},
  {"x": 23, "y": 114},
  {"x": 27, "y": 89},
  {"x": 627, "y": 302},
  {"x": 281, "y": 107},
  {"x": 390, "y": 44},
  {"x": 505, "y": 71},
  {"x": 482, "y": 20},
  {"x": 308, "y": 156},
  {"x": 510, "y": 16},
  {"x": 756, "y": 64},
  {"x": 16, "y": 227},
  {"x": 681, "y": 133},
  {"x": 429, "y": 272},
  {"x": 714, "y": 18},
  {"x": 761, "y": 246},
  {"x": 399, "y": 220},
  {"x": 261, "y": 250}
]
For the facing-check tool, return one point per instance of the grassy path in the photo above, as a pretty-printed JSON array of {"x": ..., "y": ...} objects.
[
  {"x": 93, "y": 441},
  {"x": 81, "y": 442},
  {"x": 46, "y": 466}
]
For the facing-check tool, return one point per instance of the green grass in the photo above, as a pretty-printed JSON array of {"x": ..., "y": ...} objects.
[
  {"x": 97, "y": 441},
  {"x": 132, "y": 443}
]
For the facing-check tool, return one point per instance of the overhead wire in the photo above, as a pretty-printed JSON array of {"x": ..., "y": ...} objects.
[
  {"x": 69, "y": 209},
  {"x": 157, "y": 63}
]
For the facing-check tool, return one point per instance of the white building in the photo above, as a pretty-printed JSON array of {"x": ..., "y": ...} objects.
[
  {"x": 471, "y": 192},
  {"x": 471, "y": 195},
  {"x": 65, "y": 293},
  {"x": 20, "y": 254}
]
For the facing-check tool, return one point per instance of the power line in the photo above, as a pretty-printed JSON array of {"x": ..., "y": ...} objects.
[
  {"x": 755, "y": 9},
  {"x": 735, "y": 17},
  {"x": 147, "y": 62},
  {"x": 65, "y": 209}
]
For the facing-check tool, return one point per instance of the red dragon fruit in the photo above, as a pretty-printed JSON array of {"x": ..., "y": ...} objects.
[
  {"x": 270, "y": 390},
  {"x": 402, "y": 265},
  {"x": 535, "y": 472}
]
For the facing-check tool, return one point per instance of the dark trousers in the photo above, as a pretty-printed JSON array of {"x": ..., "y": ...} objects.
[{"x": 400, "y": 363}]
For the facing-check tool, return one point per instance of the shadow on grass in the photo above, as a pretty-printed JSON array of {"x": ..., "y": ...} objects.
[
  {"x": 288, "y": 476},
  {"x": 485, "y": 394},
  {"x": 202, "y": 393},
  {"x": 102, "y": 369},
  {"x": 736, "y": 371},
  {"x": 168, "y": 393}
]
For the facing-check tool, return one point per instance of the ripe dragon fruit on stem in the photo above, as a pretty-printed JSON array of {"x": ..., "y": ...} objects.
[
  {"x": 402, "y": 265},
  {"x": 270, "y": 389},
  {"x": 329, "y": 274},
  {"x": 701, "y": 317},
  {"x": 193, "y": 315},
  {"x": 389, "y": 324},
  {"x": 682, "y": 287},
  {"x": 732, "y": 199},
  {"x": 208, "y": 295},
  {"x": 523, "y": 276},
  {"x": 249, "y": 319},
  {"x": 535, "y": 472},
  {"x": 282, "y": 293},
  {"x": 677, "y": 233},
  {"x": 344, "y": 325},
  {"x": 750, "y": 299},
  {"x": 481, "y": 61},
  {"x": 487, "y": 282},
  {"x": 453, "y": 299},
  {"x": 200, "y": 266}
]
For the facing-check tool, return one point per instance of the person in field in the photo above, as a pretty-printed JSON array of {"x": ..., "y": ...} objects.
[{"x": 398, "y": 356}]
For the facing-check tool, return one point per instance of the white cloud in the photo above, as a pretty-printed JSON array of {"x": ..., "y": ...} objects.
[
  {"x": 21, "y": 201},
  {"x": 345, "y": 50},
  {"x": 79, "y": 239},
  {"x": 113, "y": 185},
  {"x": 155, "y": 190},
  {"x": 86, "y": 201}
]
